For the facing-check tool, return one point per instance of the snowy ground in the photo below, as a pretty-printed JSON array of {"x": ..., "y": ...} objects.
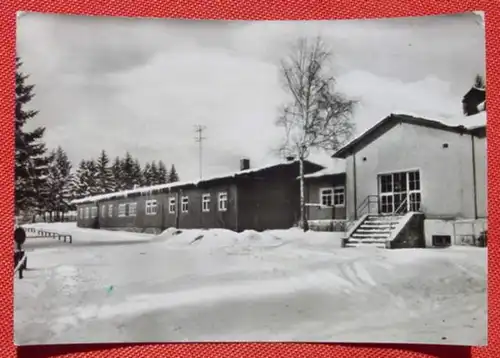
[{"x": 273, "y": 286}]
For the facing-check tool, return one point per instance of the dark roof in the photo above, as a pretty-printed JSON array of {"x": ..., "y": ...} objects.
[
  {"x": 187, "y": 184},
  {"x": 393, "y": 119}
]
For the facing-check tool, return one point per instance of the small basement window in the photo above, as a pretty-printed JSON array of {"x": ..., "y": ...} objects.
[{"x": 441, "y": 240}]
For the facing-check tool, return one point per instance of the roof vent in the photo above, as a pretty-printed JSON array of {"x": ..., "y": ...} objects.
[{"x": 290, "y": 158}]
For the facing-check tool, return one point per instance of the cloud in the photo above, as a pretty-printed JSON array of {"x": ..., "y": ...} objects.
[{"x": 141, "y": 85}]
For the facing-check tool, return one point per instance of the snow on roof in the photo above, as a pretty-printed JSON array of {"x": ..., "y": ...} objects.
[
  {"x": 468, "y": 122},
  {"x": 338, "y": 167},
  {"x": 161, "y": 187}
]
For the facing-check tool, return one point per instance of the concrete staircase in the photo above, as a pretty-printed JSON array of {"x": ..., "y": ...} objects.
[{"x": 372, "y": 230}]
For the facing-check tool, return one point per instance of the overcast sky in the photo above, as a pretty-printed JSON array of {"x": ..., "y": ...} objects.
[{"x": 141, "y": 84}]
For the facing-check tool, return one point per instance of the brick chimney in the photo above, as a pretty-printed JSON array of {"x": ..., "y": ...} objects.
[{"x": 244, "y": 164}]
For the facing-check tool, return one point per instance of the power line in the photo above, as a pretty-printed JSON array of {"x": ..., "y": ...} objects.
[{"x": 199, "y": 139}]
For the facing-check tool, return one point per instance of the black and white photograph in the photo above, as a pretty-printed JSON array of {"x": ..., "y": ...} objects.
[{"x": 235, "y": 181}]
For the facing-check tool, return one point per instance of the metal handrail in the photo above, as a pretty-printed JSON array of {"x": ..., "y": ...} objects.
[
  {"x": 396, "y": 211},
  {"x": 366, "y": 202}
]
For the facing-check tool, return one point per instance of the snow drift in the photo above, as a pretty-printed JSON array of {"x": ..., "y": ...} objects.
[{"x": 217, "y": 285}]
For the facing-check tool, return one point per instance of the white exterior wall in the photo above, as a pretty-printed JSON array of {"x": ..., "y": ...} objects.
[{"x": 446, "y": 174}]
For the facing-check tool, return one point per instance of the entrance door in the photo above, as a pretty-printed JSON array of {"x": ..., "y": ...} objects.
[{"x": 399, "y": 192}]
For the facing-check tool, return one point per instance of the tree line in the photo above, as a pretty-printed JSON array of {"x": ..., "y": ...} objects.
[
  {"x": 46, "y": 181},
  {"x": 101, "y": 175}
]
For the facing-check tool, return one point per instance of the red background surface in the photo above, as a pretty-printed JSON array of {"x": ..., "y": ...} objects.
[{"x": 248, "y": 10}]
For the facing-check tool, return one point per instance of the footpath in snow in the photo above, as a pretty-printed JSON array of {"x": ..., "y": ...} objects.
[{"x": 217, "y": 285}]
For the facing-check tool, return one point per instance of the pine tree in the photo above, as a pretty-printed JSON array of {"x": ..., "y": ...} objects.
[
  {"x": 116, "y": 170},
  {"x": 128, "y": 171},
  {"x": 80, "y": 186},
  {"x": 65, "y": 178},
  {"x": 105, "y": 178},
  {"x": 49, "y": 189},
  {"x": 162, "y": 173},
  {"x": 154, "y": 173},
  {"x": 58, "y": 183},
  {"x": 137, "y": 173},
  {"x": 172, "y": 175},
  {"x": 31, "y": 160},
  {"x": 147, "y": 179},
  {"x": 92, "y": 177}
]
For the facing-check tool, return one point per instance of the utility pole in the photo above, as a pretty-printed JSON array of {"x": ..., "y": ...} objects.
[{"x": 199, "y": 139}]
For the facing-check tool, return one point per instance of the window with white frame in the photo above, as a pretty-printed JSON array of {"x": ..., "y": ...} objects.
[
  {"x": 205, "y": 202},
  {"x": 87, "y": 212},
  {"x": 103, "y": 211},
  {"x": 171, "y": 205},
  {"x": 132, "y": 209},
  {"x": 81, "y": 213},
  {"x": 223, "y": 201},
  {"x": 94, "y": 211},
  {"x": 110, "y": 210},
  {"x": 326, "y": 196},
  {"x": 122, "y": 210},
  {"x": 151, "y": 207},
  {"x": 339, "y": 196},
  {"x": 185, "y": 204}
]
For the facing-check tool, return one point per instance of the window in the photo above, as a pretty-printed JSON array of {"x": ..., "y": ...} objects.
[
  {"x": 205, "y": 202},
  {"x": 441, "y": 240},
  {"x": 415, "y": 199},
  {"x": 110, "y": 210},
  {"x": 94, "y": 211},
  {"x": 414, "y": 180},
  {"x": 171, "y": 205},
  {"x": 151, "y": 207},
  {"x": 103, "y": 211},
  {"x": 122, "y": 210},
  {"x": 87, "y": 212},
  {"x": 326, "y": 196},
  {"x": 223, "y": 201},
  {"x": 81, "y": 213},
  {"x": 339, "y": 196},
  {"x": 132, "y": 209},
  {"x": 185, "y": 204},
  {"x": 400, "y": 192}
]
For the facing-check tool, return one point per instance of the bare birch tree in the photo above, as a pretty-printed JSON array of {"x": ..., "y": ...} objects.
[{"x": 316, "y": 117}]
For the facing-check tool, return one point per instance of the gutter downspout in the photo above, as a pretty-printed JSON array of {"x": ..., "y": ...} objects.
[{"x": 474, "y": 179}]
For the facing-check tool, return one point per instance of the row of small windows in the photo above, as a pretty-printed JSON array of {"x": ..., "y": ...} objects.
[{"x": 151, "y": 207}]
